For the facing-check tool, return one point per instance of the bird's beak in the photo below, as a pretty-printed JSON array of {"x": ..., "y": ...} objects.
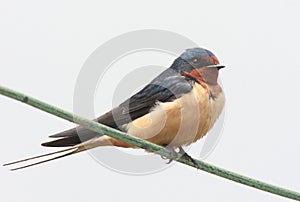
[
  {"x": 217, "y": 66},
  {"x": 220, "y": 66}
]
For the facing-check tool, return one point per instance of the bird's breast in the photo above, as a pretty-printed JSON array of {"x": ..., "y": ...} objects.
[{"x": 181, "y": 121}]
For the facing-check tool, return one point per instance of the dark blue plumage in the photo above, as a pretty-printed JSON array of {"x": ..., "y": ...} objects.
[{"x": 193, "y": 58}]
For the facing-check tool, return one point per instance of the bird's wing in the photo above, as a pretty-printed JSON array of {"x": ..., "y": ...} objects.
[{"x": 168, "y": 86}]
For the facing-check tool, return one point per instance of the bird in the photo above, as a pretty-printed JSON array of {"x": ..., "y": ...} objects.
[{"x": 175, "y": 109}]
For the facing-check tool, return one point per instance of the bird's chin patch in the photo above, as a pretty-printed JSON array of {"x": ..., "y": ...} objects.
[{"x": 209, "y": 75}]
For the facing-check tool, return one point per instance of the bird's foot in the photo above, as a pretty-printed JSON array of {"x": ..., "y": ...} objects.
[
  {"x": 174, "y": 154},
  {"x": 183, "y": 153}
]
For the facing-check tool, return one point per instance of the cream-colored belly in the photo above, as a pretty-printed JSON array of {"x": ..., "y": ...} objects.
[{"x": 180, "y": 122}]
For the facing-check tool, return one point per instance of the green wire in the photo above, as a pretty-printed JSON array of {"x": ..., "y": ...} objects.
[{"x": 99, "y": 128}]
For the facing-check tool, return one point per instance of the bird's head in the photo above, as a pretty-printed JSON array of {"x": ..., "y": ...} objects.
[{"x": 198, "y": 63}]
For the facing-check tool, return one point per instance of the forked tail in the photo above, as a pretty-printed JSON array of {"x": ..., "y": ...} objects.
[{"x": 73, "y": 150}]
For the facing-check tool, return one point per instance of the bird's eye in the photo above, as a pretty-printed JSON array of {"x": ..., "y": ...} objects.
[{"x": 195, "y": 60}]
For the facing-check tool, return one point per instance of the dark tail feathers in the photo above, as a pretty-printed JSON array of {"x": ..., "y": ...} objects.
[{"x": 71, "y": 137}]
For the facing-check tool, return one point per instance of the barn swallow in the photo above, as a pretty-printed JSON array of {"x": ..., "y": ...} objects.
[{"x": 175, "y": 109}]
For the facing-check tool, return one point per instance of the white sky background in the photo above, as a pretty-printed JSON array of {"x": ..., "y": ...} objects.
[{"x": 44, "y": 44}]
